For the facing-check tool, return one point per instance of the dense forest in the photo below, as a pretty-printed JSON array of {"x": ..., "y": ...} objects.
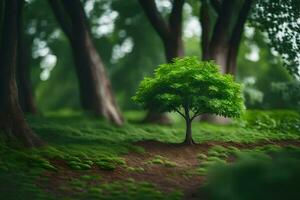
[{"x": 149, "y": 99}]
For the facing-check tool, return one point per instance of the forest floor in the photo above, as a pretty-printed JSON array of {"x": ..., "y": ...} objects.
[{"x": 91, "y": 159}]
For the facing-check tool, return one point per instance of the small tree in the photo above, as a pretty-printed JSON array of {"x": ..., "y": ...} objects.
[{"x": 190, "y": 88}]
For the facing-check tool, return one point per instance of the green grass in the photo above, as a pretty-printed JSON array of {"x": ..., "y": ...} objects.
[
  {"x": 84, "y": 142},
  {"x": 127, "y": 189}
]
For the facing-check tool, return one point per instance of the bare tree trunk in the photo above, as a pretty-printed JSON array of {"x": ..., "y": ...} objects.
[
  {"x": 95, "y": 88},
  {"x": 236, "y": 37},
  {"x": 12, "y": 121},
  {"x": 171, "y": 36},
  {"x": 188, "y": 134},
  {"x": 223, "y": 45},
  {"x": 173, "y": 48},
  {"x": 26, "y": 97},
  {"x": 205, "y": 21}
]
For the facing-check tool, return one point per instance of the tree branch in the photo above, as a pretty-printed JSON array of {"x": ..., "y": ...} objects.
[
  {"x": 155, "y": 18},
  {"x": 194, "y": 116},
  {"x": 61, "y": 17},
  {"x": 178, "y": 111}
]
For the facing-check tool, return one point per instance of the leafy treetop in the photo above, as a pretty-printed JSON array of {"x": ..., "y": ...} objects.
[
  {"x": 193, "y": 86},
  {"x": 281, "y": 21}
]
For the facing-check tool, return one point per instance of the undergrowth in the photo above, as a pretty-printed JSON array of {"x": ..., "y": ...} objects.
[{"x": 83, "y": 142}]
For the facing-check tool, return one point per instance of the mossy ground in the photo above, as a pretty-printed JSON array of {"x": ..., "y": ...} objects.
[{"x": 87, "y": 158}]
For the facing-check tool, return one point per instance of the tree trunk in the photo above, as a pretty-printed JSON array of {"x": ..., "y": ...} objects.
[
  {"x": 236, "y": 37},
  {"x": 171, "y": 36},
  {"x": 188, "y": 134},
  {"x": 12, "y": 121},
  {"x": 26, "y": 97},
  {"x": 224, "y": 43},
  {"x": 205, "y": 21},
  {"x": 95, "y": 88},
  {"x": 173, "y": 48},
  {"x": 188, "y": 122}
]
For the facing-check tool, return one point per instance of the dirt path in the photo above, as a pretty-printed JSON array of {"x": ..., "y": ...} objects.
[{"x": 180, "y": 177}]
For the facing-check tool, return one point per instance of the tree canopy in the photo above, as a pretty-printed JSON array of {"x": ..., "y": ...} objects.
[{"x": 190, "y": 83}]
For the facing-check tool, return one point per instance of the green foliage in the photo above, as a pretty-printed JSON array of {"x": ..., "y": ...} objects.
[
  {"x": 280, "y": 20},
  {"x": 252, "y": 95},
  {"x": 188, "y": 83},
  {"x": 290, "y": 92},
  {"x": 258, "y": 74},
  {"x": 279, "y": 121},
  {"x": 257, "y": 176}
]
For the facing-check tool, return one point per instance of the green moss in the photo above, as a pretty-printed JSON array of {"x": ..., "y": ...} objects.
[
  {"x": 48, "y": 166},
  {"x": 95, "y": 190},
  {"x": 135, "y": 169},
  {"x": 201, "y": 156},
  {"x": 104, "y": 165},
  {"x": 82, "y": 142},
  {"x": 160, "y": 160},
  {"x": 170, "y": 164},
  {"x": 78, "y": 183},
  {"x": 157, "y": 161},
  {"x": 201, "y": 171},
  {"x": 90, "y": 177}
]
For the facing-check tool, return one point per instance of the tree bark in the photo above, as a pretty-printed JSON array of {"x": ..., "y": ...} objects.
[
  {"x": 26, "y": 97},
  {"x": 223, "y": 45},
  {"x": 236, "y": 37},
  {"x": 171, "y": 35},
  {"x": 224, "y": 42},
  {"x": 188, "y": 134},
  {"x": 95, "y": 88},
  {"x": 205, "y": 22},
  {"x": 12, "y": 122},
  {"x": 219, "y": 47}
]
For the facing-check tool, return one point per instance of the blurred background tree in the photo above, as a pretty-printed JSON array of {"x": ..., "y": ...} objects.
[{"x": 130, "y": 49}]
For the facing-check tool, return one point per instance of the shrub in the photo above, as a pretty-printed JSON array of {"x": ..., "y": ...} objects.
[{"x": 255, "y": 176}]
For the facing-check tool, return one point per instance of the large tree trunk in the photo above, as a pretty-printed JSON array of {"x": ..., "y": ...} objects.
[
  {"x": 205, "y": 21},
  {"x": 173, "y": 48},
  {"x": 12, "y": 121},
  {"x": 26, "y": 97},
  {"x": 95, "y": 88},
  {"x": 171, "y": 36},
  {"x": 221, "y": 43}
]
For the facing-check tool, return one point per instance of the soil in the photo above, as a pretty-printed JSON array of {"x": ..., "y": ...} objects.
[{"x": 164, "y": 178}]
